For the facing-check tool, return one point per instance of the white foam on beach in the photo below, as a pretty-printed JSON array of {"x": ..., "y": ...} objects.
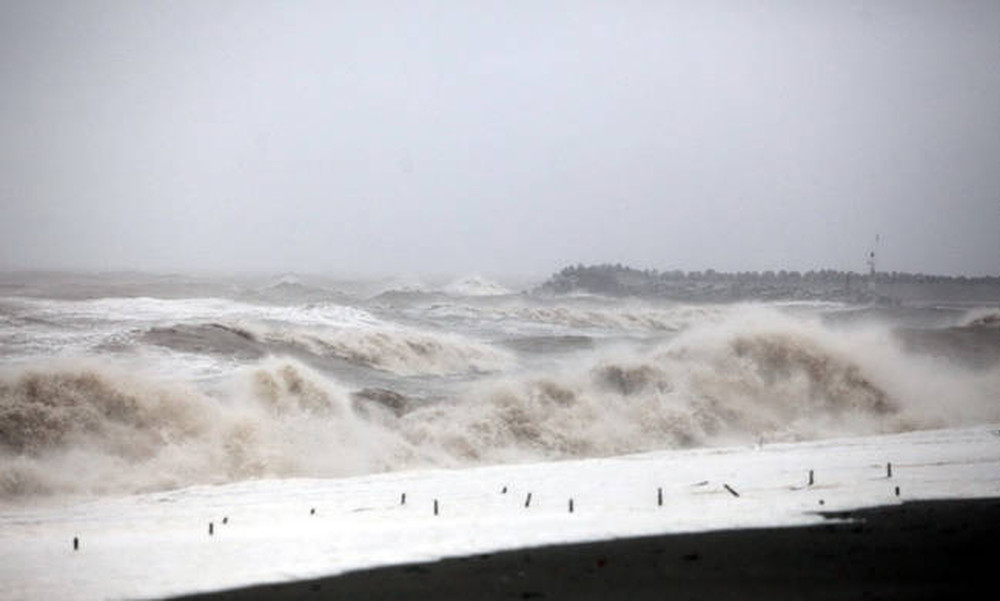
[{"x": 158, "y": 544}]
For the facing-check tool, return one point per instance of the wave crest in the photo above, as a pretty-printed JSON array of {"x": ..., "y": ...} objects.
[
  {"x": 42, "y": 410},
  {"x": 95, "y": 428},
  {"x": 733, "y": 384},
  {"x": 831, "y": 382},
  {"x": 982, "y": 318},
  {"x": 401, "y": 351},
  {"x": 629, "y": 318}
]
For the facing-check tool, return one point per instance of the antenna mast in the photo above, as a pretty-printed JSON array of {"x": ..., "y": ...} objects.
[{"x": 871, "y": 266}]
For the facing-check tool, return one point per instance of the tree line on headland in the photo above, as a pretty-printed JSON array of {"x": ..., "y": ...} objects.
[{"x": 711, "y": 285}]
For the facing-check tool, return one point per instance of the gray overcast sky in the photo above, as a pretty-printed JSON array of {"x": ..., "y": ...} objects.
[{"x": 499, "y": 137}]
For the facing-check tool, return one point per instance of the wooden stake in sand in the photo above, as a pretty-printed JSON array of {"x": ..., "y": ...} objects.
[
  {"x": 897, "y": 491},
  {"x": 659, "y": 497},
  {"x": 76, "y": 543},
  {"x": 571, "y": 505},
  {"x": 402, "y": 499},
  {"x": 211, "y": 528},
  {"x": 811, "y": 480},
  {"x": 888, "y": 470},
  {"x": 527, "y": 500},
  {"x": 731, "y": 491},
  {"x": 435, "y": 506}
]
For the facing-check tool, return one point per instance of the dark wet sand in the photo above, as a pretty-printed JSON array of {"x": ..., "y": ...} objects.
[{"x": 920, "y": 550}]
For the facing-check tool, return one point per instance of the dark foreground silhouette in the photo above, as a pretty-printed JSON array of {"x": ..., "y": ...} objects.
[{"x": 920, "y": 550}]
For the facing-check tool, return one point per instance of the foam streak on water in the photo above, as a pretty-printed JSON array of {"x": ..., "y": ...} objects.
[{"x": 114, "y": 394}]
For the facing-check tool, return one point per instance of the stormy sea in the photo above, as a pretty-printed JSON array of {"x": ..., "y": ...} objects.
[{"x": 128, "y": 383}]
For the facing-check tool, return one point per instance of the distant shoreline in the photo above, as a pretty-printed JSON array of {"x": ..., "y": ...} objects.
[
  {"x": 917, "y": 550},
  {"x": 822, "y": 285}
]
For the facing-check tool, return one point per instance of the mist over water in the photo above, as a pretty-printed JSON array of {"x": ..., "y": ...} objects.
[{"x": 148, "y": 386}]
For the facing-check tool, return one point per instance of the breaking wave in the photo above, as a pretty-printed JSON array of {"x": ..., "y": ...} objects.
[
  {"x": 475, "y": 286},
  {"x": 401, "y": 351},
  {"x": 982, "y": 318},
  {"x": 636, "y": 318},
  {"x": 191, "y": 310},
  {"x": 760, "y": 375},
  {"x": 730, "y": 385},
  {"x": 99, "y": 429}
]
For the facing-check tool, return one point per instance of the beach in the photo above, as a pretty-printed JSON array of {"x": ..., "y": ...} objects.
[{"x": 917, "y": 550}]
